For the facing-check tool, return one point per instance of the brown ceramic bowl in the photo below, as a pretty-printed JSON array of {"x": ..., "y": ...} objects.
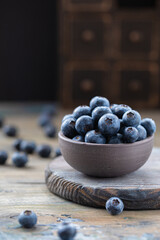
[{"x": 105, "y": 160}]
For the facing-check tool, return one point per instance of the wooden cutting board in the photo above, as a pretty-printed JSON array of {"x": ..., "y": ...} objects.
[{"x": 138, "y": 190}]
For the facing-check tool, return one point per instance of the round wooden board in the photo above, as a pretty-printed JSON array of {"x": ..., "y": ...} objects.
[{"x": 138, "y": 190}]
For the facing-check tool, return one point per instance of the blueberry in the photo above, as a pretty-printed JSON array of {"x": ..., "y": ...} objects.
[
  {"x": 81, "y": 110},
  {"x": 68, "y": 127},
  {"x": 99, "y": 101},
  {"x": 27, "y": 219},
  {"x": 116, "y": 139},
  {"x": 44, "y": 120},
  {"x": 67, "y": 231},
  {"x": 112, "y": 107},
  {"x": 50, "y": 131},
  {"x": 149, "y": 125},
  {"x": 66, "y": 117},
  {"x": 78, "y": 138},
  {"x": 109, "y": 124},
  {"x": 58, "y": 152},
  {"x": 16, "y": 144},
  {"x": 119, "y": 110},
  {"x": 94, "y": 136},
  {"x": 141, "y": 132},
  {"x": 44, "y": 151},
  {"x": 84, "y": 124},
  {"x": 19, "y": 159},
  {"x": 3, "y": 157},
  {"x": 98, "y": 112},
  {"x": 131, "y": 118},
  {"x": 130, "y": 134},
  {"x": 114, "y": 206},
  {"x": 10, "y": 131},
  {"x": 28, "y": 147}
]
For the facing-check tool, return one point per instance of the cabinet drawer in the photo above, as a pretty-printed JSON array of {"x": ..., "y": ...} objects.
[
  {"x": 82, "y": 81},
  {"x": 136, "y": 37},
  {"x": 87, "y": 5},
  {"x": 86, "y": 84},
  {"x": 137, "y": 83},
  {"x": 88, "y": 36}
]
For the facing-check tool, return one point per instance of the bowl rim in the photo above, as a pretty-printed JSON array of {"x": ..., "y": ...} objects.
[{"x": 64, "y": 138}]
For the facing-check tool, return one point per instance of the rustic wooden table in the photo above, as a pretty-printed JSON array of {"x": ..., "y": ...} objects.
[{"x": 25, "y": 188}]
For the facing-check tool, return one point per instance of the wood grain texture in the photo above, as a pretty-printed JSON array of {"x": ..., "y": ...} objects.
[
  {"x": 139, "y": 190},
  {"x": 22, "y": 189}
]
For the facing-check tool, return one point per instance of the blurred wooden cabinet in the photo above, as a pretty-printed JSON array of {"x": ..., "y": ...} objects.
[{"x": 109, "y": 48}]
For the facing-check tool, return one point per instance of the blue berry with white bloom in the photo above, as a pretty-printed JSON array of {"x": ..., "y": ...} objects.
[
  {"x": 149, "y": 125},
  {"x": 114, "y": 206},
  {"x": 130, "y": 134},
  {"x": 131, "y": 118},
  {"x": 27, "y": 219},
  {"x": 142, "y": 133},
  {"x": 109, "y": 124},
  {"x": 99, "y": 101},
  {"x": 94, "y": 136}
]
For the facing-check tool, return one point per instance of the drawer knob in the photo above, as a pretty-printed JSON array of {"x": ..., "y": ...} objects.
[
  {"x": 135, "y": 36},
  {"x": 135, "y": 85},
  {"x": 87, "y": 85},
  {"x": 88, "y": 35}
]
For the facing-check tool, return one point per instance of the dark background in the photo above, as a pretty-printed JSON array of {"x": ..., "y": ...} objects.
[{"x": 28, "y": 50}]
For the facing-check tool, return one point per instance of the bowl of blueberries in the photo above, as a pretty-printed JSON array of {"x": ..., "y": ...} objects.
[{"x": 106, "y": 140}]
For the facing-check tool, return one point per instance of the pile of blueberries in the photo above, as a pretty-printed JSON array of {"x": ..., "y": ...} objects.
[{"x": 103, "y": 123}]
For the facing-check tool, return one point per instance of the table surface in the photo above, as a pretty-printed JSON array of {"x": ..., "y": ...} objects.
[{"x": 24, "y": 188}]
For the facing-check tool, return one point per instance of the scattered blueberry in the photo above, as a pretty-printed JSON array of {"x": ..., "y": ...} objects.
[
  {"x": 78, "y": 138},
  {"x": 119, "y": 110},
  {"x": 98, "y": 112},
  {"x": 109, "y": 124},
  {"x": 68, "y": 128},
  {"x": 114, "y": 206},
  {"x": 3, "y": 157},
  {"x": 10, "y": 131},
  {"x": 81, "y": 110},
  {"x": 27, "y": 147},
  {"x": 27, "y": 219},
  {"x": 19, "y": 159},
  {"x": 67, "y": 116},
  {"x": 131, "y": 118},
  {"x": 94, "y": 136},
  {"x": 44, "y": 120},
  {"x": 84, "y": 124},
  {"x": 99, "y": 101},
  {"x": 58, "y": 152},
  {"x": 44, "y": 151},
  {"x": 116, "y": 139},
  {"x": 67, "y": 231},
  {"x": 50, "y": 131},
  {"x": 130, "y": 135},
  {"x": 141, "y": 132},
  {"x": 16, "y": 144},
  {"x": 149, "y": 125}
]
